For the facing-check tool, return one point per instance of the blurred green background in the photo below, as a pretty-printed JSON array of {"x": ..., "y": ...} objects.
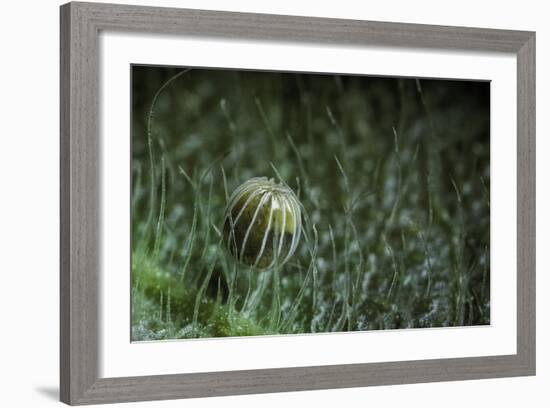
[{"x": 393, "y": 174}]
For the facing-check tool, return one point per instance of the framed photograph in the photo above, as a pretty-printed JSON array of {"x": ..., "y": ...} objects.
[{"x": 261, "y": 203}]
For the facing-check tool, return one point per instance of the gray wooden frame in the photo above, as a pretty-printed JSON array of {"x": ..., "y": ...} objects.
[{"x": 80, "y": 234}]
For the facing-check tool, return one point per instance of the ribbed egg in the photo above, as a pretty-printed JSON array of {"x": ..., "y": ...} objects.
[{"x": 263, "y": 223}]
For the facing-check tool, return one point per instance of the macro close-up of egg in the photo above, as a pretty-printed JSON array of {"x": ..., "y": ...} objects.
[{"x": 270, "y": 202}]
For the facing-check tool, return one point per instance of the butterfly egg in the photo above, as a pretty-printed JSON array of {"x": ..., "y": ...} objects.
[{"x": 263, "y": 223}]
